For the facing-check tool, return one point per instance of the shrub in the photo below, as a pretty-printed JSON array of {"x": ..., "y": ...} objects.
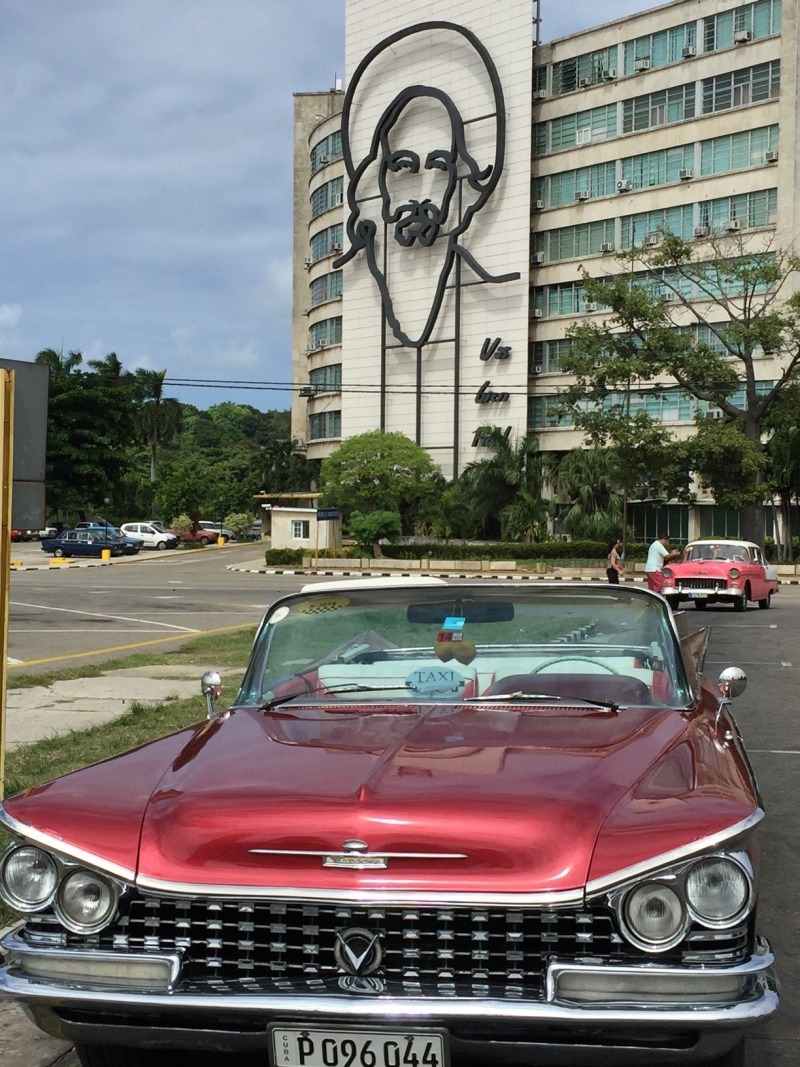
[
  {"x": 238, "y": 523},
  {"x": 279, "y": 556}
]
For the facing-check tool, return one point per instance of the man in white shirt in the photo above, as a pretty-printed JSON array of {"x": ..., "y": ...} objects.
[{"x": 656, "y": 556}]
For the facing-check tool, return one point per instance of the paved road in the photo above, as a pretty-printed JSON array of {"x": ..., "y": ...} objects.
[{"x": 93, "y": 610}]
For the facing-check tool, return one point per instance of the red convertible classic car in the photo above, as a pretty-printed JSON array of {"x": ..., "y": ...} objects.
[
  {"x": 724, "y": 572},
  {"x": 440, "y": 824}
]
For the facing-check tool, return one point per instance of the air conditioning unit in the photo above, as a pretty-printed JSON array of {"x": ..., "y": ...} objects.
[
  {"x": 538, "y": 205},
  {"x": 308, "y": 262},
  {"x": 584, "y": 83},
  {"x": 732, "y": 225},
  {"x": 537, "y": 257},
  {"x": 686, "y": 175},
  {"x": 538, "y": 368},
  {"x": 667, "y": 296},
  {"x": 652, "y": 239},
  {"x": 689, "y": 52},
  {"x": 323, "y": 160},
  {"x": 606, "y": 247},
  {"x": 609, "y": 74},
  {"x": 336, "y": 246},
  {"x": 584, "y": 135},
  {"x": 307, "y": 390},
  {"x": 338, "y": 199},
  {"x": 539, "y": 94},
  {"x": 624, "y": 186},
  {"x": 537, "y": 313},
  {"x": 742, "y": 37},
  {"x": 701, "y": 231},
  {"x": 322, "y": 343},
  {"x": 582, "y": 194},
  {"x": 642, "y": 64},
  {"x": 590, "y": 306},
  {"x": 771, "y": 156},
  {"x": 714, "y": 413}
]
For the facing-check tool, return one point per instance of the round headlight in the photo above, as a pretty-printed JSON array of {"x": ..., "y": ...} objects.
[
  {"x": 28, "y": 878},
  {"x": 734, "y": 572},
  {"x": 655, "y": 915},
  {"x": 86, "y": 901},
  {"x": 717, "y": 889},
  {"x": 667, "y": 572}
]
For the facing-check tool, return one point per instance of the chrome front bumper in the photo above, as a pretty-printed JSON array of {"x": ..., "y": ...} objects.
[{"x": 680, "y": 1027}]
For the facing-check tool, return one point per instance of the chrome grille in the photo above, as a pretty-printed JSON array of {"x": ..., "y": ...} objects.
[
  {"x": 288, "y": 946},
  {"x": 703, "y": 583}
]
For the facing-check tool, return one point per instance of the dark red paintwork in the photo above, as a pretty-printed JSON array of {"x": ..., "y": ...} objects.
[{"x": 539, "y": 799}]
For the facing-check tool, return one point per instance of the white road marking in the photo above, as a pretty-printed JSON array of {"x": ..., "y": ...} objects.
[
  {"x": 102, "y": 615},
  {"x": 784, "y": 664},
  {"x": 773, "y": 752}
]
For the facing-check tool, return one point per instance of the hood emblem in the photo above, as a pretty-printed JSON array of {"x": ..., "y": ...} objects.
[
  {"x": 355, "y": 855},
  {"x": 358, "y": 951}
]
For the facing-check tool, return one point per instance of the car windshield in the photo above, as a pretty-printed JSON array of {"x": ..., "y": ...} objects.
[
  {"x": 739, "y": 553},
  {"x": 573, "y": 643}
]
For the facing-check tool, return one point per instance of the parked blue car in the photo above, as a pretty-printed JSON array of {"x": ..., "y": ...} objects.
[
  {"x": 84, "y": 543},
  {"x": 106, "y": 530}
]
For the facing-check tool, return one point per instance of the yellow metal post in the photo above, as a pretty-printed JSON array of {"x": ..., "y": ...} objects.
[{"x": 6, "y": 482}]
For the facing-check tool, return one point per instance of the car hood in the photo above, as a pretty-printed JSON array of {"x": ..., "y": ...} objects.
[{"x": 490, "y": 799}]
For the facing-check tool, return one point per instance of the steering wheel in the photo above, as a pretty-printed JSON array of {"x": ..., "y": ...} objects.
[{"x": 567, "y": 659}]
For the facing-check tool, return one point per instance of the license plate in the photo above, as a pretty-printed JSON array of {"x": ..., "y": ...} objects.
[
  {"x": 357, "y": 1048},
  {"x": 698, "y": 595}
]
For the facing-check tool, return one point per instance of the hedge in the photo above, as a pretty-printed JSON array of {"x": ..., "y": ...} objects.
[{"x": 588, "y": 551}]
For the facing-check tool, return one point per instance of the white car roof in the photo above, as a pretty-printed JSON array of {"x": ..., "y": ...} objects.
[
  {"x": 722, "y": 541},
  {"x": 342, "y": 586}
]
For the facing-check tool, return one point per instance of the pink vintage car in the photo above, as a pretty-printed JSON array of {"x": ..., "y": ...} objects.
[
  {"x": 721, "y": 571},
  {"x": 439, "y": 824}
]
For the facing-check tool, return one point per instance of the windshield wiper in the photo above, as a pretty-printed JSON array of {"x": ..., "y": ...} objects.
[
  {"x": 499, "y": 698},
  {"x": 335, "y": 690}
]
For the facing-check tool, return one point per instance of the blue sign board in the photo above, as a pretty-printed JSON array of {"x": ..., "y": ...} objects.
[{"x": 327, "y": 514}]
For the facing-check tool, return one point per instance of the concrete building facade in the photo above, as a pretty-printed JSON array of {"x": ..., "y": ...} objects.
[{"x": 680, "y": 118}]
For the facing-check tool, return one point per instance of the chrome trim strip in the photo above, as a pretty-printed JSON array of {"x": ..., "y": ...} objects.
[
  {"x": 651, "y": 866},
  {"x": 760, "y": 1005},
  {"x": 350, "y": 855},
  {"x": 403, "y": 898},
  {"x": 63, "y": 848}
]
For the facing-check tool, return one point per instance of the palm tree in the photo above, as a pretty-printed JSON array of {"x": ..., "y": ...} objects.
[
  {"x": 498, "y": 481},
  {"x": 585, "y": 482},
  {"x": 159, "y": 418},
  {"x": 59, "y": 364}
]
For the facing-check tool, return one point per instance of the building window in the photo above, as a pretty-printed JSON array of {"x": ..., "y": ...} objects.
[
  {"x": 327, "y": 196},
  {"x": 543, "y": 414},
  {"x": 598, "y": 124},
  {"x": 328, "y": 287},
  {"x": 327, "y": 242},
  {"x": 326, "y": 332},
  {"x": 327, "y": 379},
  {"x": 301, "y": 529},
  {"x": 761, "y": 19},
  {"x": 657, "y": 168},
  {"x": 737, "y": 88},
  {"x": 645, "y": 227},
  {"x": 599, "y": 180},
  {"x": 586, "y": 239},
  {"x": 659, "y": 108},
  {"x": 326, "y": 151},
  {"x": 747, "y": 148},
  {"x": 661, "y": 48},
  {"x": 759, "y": 208},
  {"x": 547, "y": 355},
  {"x": 571, "y": 74},
  {"x": 324, "y": 424}
]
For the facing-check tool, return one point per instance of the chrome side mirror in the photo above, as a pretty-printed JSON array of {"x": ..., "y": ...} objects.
[
  {"x": 732, "y": 682},
  {"x": 210, "y": 687}
]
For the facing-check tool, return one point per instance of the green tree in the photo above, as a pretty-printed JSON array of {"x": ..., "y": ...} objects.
[
  {"x": 379, "y": 471},
  {"x": 734, "y": 303},
  {"x": 368, "y": 530},
  {"x": 159, "y": 418},
  {"x": 498, "y": 481},
  {"x": 588, "y": 492}
]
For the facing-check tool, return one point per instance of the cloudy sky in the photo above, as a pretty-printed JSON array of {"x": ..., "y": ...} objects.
[{"x": 145, "y": 179}]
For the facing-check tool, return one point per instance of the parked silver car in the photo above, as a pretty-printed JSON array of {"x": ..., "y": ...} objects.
[{"x": 150, "y": 535}]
